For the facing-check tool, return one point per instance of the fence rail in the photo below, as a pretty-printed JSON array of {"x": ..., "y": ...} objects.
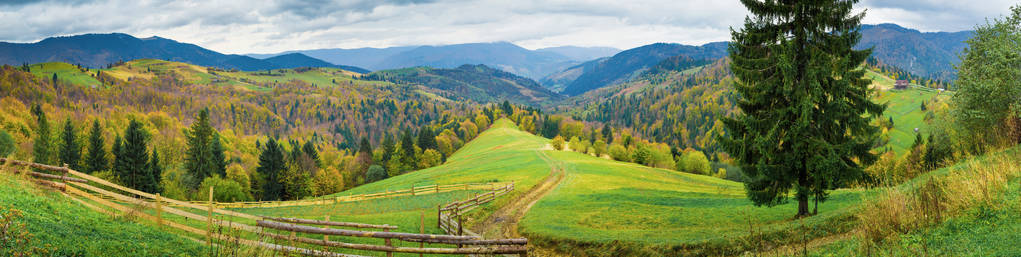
[
  {"x": 450, "y": 216},
  {"x": 412, "y": 191},
  {"x": 85, "y": 189}
]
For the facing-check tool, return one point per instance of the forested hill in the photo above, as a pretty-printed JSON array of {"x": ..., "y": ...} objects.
[
  {"x": 929, "y": 54},
  {"x": 101, "y": 50},
  {"x": 479, "y": 83},
  {"x": 627, "y": 65}
]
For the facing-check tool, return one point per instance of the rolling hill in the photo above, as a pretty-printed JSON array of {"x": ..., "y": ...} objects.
[
  {"x": 929, "y": 54},
  {"x": 626, "y": 65},
  {"x": 101, "y": 50},
  {"x": 503, "y": 55},
  {"x": 478, "y": 83},
  {"x": 297, "y": 60}
]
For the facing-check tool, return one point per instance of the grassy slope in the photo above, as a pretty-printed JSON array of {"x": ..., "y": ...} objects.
[
  {"x": 603, "y": 201},
  {"x": 74, "y": 230},
  {"x": 978, "y": 231},
  {"x": 65, "y": 72},
  {"x": 905, "y": 108}
]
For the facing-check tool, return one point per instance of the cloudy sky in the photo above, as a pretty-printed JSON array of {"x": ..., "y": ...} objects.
[{"x": 264, "y": 26}]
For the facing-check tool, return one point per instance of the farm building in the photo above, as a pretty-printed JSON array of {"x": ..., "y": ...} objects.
[{"x": 900, "y": 84}]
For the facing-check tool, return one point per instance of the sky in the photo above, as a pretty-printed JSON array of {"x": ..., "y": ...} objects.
[{"x": 270, "y": 26}]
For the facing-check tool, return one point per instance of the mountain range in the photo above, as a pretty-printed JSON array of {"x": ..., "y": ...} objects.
[
  {"x": 568, "y": 70},
  {"x": 99, "y": 50},
  {"x": 506, "y": 56},
  {"x": 477, "y": 82}
]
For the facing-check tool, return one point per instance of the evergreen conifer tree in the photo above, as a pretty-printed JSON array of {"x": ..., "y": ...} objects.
[
  {"x": 805, "y": 107},
  {"x": 97, "y": 157},
  {"x": 42, "y": 151},
  {"x": 70, "y": 149},
  {"x": 271, "y": 163},
  {"x": 136, "y": 156}
]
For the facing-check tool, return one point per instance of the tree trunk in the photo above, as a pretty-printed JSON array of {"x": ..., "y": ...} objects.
[{"x": 802, "y": 207}]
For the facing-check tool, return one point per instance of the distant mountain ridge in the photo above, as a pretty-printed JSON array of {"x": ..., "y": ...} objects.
[
  {"x": 478, "y": 83},
  {"x": 929, "y": 54},
  {"x": 503, "y": 55},
  {"x": 97, "y": 50}
]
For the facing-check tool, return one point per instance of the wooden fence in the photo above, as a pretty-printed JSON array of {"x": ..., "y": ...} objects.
[
  {"x": 412, "y": 191},
  {"x": 91, "y": 191},
  {"x": 450, "y": 216}
]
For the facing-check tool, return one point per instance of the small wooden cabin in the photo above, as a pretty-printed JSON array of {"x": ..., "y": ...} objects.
[{"x": 900, "y": 84}]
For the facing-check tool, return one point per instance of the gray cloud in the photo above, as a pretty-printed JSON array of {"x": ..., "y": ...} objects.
[{"x": 278, "y": 25}]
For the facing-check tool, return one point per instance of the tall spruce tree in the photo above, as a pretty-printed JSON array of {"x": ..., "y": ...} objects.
[
  {"x": 136, "y": 156},
  {"x": 427, "y": 139},
  {"x": 70, "y": 149},
  {"x": 119, "y": 160},
  {"x": 408, "y": 159},
  {"x": 97, "y": 157},
  {"x": 805, "y": 107},
  {"x": 218, "y": 160},
  {"x": 42, "y": 146},
  {"x": 271, "y": 164},
  {"x": 154, "y": 173},
  {"x": 388, "y": 146},
  {"x": 201, "y": 159}
]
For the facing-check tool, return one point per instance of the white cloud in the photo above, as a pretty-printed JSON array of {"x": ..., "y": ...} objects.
[{"x": 278, "y": 25}]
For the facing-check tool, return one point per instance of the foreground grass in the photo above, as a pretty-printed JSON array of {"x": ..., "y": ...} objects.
[
  {"x": 607, "y": 208},
  {"x": 67, "y": 228}
]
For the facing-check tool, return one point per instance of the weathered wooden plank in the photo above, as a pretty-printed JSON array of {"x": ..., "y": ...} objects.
[
  {"x": 357, "y": 233},
  {"x": 383, "y": 248},
  {"x": 330, "y": 223}
]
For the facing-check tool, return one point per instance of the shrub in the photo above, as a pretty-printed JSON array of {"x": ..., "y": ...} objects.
[
  {"x": 558, "y": 143},
  {"x": 429, "y": 158},
  {"x": 375, "y": 173},
  {"x": 619, "y": 153},
  {"x": 6, "y": 144},
  {"x": 599, "y": 148},
  {"x": 224, "y": 190},
  {"x": 641, "y": 155},
  {"x": 694, "y": 162}
]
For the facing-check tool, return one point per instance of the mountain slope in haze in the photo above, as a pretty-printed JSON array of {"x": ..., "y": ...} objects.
[
  {"x": 295, "y": 60},
  {"x": 478, "y": 83},
  {"x": 578, "y": 53},
  {"x": 626, "y": 65},
  {"x": 360, "y": 57},
  {"x": 931, "y": 54},
  {"x": 100, "y": 50},
  {"x": 503, "y": 55}
]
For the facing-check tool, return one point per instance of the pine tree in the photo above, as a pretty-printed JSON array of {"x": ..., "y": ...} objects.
[
  {"x": 97, "y": 158},
  {"x": 136, "y": 157},
  {"x": 607, "y": 133},
  {"x": 42, "y": 145},
  {"x": 271, "y": 164},
  {"x": 389, "y": 147},
  {"x": 199, "y": 160},
  {"x": 154, "y": 173},
  {"x": 805, "y": 112},
  {"x": 309, "y": 150},
  {"x": 426, "y": 139},
  {"x": 70, "y": 150},
  {"x": 408, "y": 152},
  {"x": 119, "y": 160},
  {"x": 217, "y": 160},
  {"x": 364, "y": 146}
]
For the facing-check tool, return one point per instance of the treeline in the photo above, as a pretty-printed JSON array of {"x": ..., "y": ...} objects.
[
  {"x": 602, "y": 140},
  {"x": 330, "y": 125},
  {"x": 683, "y": 111},
  {"x": 898, "y": 73}
]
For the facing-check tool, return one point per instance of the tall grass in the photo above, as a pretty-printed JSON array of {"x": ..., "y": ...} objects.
[{"x": 899, "y": 211}]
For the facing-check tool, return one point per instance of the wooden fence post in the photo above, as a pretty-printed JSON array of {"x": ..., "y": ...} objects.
[
  {"x": 388, "y": 253},
  {"x": 159, "y": 211},
  {"x": 421, "y": 230},
  {"x": 209, "y": 222},
  {"x": 437, "y": 188},
  {"x": 325, "y": 236},
  {"x": 439, "y": 216},
  {"x": 412, "y": 190}
]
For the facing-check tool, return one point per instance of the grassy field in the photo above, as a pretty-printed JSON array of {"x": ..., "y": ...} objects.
[
  {"x": 905, "y": 107},
  {"x": 67, "y": 228},
  {"x": 66, "y": 73}
]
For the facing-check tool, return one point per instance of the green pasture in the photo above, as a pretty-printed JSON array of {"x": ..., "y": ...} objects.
[
  {"x": 66, "y": 73},
  {"x": 67, "y": 228}
]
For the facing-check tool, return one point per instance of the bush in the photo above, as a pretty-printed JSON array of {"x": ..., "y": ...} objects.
[
  {"x": 619, "y": 153},
  {"x": 558, "y": 143},
  {"x": 237, "y": 174},
  {"x": 599, "y": 148},
  {"x": 694, "y": 162},
  {"x": 375, "y": 173},
  {"x": 327, "y": 181},
  {"x": 6, "y": 144},
  {"x": 575, "y": 145},
  {"x": 224, "y": 190},
  {"x": 429, "y": 158},
  {"x": 641, "y": 155}
]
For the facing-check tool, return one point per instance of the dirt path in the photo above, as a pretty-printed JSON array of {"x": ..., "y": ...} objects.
[{"x": 504, "y": 222}]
